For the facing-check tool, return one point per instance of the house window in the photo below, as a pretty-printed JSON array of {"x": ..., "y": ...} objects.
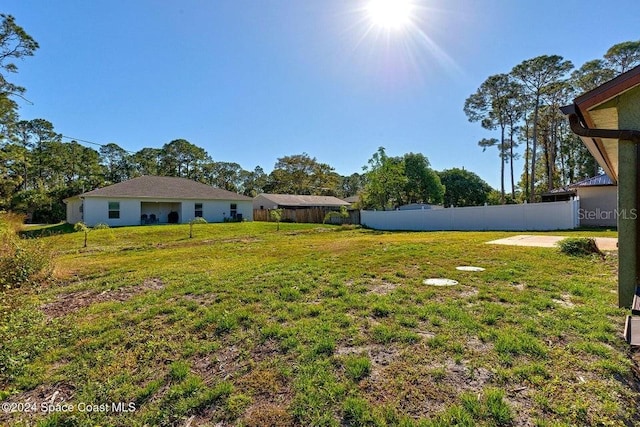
[
  {"x": 114, "y": 210},
  {"x": 234, "y": 210},
  {"x": 198, "y": 210}
]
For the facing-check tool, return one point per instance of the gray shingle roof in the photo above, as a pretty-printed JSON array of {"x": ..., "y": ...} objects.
[
  {"x": 593, "y": 181},
  {"x": 164, "y": 187},
  {"x": 295, "y": 200}
]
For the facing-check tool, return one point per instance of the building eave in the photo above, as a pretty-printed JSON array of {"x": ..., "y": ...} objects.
[{"x": 602, "y": 141}]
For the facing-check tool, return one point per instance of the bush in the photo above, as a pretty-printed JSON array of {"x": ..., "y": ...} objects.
[
  {"x": 579, "y": 246},
  {"x": 11, "y": 221},
  {"x": 22, "y": 261}
]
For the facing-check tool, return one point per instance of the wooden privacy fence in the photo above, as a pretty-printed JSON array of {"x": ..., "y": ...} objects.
[{"x": 313, "y": 215}]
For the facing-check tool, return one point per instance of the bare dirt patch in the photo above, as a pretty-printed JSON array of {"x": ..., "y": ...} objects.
[
  {"x": 253, "y": 374},
  {"x": 565, "y": 301},
  {"x": 477, "y": 345},
  {"x": 265, "y": 351},
  {"x": 422, "y": 389},
  {"x": 271, "y": 394},
  {"x": 222, "y": 365},
  {"x": 233, "y": 240},
  {"x": 379, "y": 355},
  {"x": 380, "y": 287},
  {"x": 518, "y": 286},
  {"x": 469, "y": 293},
  {"x": 268, "y": 414},
  {"x": 74, "y": 301},
  {"x": 44, "y": 394}
]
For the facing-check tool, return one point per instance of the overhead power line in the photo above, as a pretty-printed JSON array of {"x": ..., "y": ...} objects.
[{"x": 91, "y": 142}]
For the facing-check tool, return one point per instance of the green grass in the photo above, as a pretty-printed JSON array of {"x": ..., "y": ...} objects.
[{"x": 320, "y": 326}]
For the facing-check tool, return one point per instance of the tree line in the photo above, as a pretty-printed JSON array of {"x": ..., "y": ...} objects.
[
  {"x": 522, "y": 106},
  {"x": 38, "y": 169}
]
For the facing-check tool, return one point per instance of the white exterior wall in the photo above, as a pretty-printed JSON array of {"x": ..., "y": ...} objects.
[
  {"x": 245, "y": 207},
  {"x": 217, "y": 210},
  {"x": 74, "y": 211},
  {"x": 598, "y": 206},
  {"x": 535, "y": 216},
  {"x": 96, "y": 210},
  {"x": 262, "y": 201}
]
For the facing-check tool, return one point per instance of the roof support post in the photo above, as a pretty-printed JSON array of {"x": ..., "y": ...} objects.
[
  {"x": 628, "y": 239},
  {"x": 628, "y": 200}
]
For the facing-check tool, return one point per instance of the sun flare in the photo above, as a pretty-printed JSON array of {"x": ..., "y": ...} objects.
[{"x": 390, "y": 14}]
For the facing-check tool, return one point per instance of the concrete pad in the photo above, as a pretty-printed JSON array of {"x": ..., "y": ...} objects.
[
  {"x": 604, "y": 243},
  {"x": 469, "y": 268},
  {"x": 607, "y": 243},
  {"x": 440, "y": 282}
]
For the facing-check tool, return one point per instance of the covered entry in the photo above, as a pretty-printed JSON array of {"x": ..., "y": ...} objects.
[{"x": 160, "y": 212}]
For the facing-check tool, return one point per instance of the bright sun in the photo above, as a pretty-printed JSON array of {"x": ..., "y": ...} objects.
[{"x": 390, "y": 14}]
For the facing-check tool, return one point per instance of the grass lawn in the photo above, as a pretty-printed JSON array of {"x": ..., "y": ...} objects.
[{"x": 316, "y": 326}]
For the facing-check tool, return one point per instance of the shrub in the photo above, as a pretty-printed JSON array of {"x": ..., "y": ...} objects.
[
  {"x": 11, "y": 221},
  {"x": 22, "y": 261},
  {"x": 340, "y": 215},
  {"x": 276, "y": 215},
  {"x": 579, "y": 246}
]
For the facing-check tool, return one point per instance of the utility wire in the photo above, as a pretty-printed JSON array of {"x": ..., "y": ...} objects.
[{"x": 91, "y": 142}]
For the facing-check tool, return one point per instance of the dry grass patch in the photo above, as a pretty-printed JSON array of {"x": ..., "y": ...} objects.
[{"x": 68, "y": 303}]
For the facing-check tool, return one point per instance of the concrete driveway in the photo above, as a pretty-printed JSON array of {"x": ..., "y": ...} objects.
[{"x": 604, "y": 243}]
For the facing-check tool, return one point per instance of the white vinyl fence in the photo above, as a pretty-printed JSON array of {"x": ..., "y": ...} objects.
[{"x": 521, "y": 217}]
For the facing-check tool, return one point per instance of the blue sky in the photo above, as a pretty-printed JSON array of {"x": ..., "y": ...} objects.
[{"x": 254, "y": 80}]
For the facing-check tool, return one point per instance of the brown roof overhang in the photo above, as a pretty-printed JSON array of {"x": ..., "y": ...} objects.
[{"x": 583, "y": 124}]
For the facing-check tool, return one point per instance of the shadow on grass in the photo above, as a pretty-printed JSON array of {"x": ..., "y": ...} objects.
[{"x": 47, "y": 230}]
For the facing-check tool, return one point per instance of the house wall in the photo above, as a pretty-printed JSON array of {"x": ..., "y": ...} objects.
[
  {"x": 534, "y": 216},
  {"x": 216, "y": 210},
  {"x": 598, "y": 206},
  {"x": 261, "y": 202},
  {"x": 96, "y": 210},
  {"x": 74, "y": 211}
]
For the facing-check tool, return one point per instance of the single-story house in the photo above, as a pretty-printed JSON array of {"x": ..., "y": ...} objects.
[
  {"x": 291, "y": 201},
  {"x": 598, "y": 197},
  {"x": 157, "y": 200},
  {"x": 598, "y": 201},
  {"x": 353, "y": 201},
  {"x": 561, "y": 194}
]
